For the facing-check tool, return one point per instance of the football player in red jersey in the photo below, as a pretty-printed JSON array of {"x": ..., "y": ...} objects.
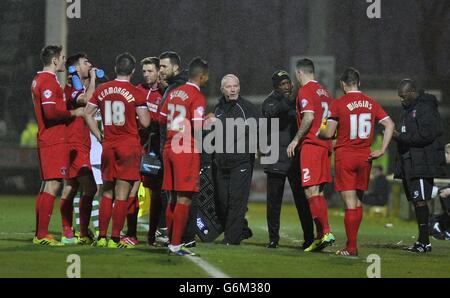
[
  {"x": 312, "y": 103},
  {"x": 79, "y": 145},
  {"x": 52, "y": 116},
  {"x": 120, "y": 103},
  {"x": 185, "y": 108},
  {"x": 354, "y": 116},
  {"x": 153, "y": 95}
]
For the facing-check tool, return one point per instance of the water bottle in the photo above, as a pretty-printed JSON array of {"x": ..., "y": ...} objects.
[
  {"x": 99, "y": 73},
  {"x": 76, "y": 82}
]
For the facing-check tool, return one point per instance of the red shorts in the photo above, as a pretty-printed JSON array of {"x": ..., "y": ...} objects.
[
  {"x": 315, "y": 162},
  {"x": 181, "y": 171},
  {"x": 121, "y": 162},
  {"x": 79, "y": 161},
  {"x": 352, "y": 171},
  {"x": 53, "y": 161}
]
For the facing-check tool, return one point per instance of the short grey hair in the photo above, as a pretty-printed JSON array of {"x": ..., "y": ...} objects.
[{"x": 229, "y": 76}]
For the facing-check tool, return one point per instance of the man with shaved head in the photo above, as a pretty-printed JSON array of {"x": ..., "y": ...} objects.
[
  {"x": 234, "y": 166},
  {"x": 421, "y": 155}
]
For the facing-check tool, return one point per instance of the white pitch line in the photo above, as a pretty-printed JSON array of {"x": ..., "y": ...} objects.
[
  {"x": 282, "y": 235},
  {"x": 210, "y": 269},
  {"x": 207, "y": 267}
]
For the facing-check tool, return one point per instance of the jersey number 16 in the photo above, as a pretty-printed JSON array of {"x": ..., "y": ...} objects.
[{"x": 360, "y": 127}]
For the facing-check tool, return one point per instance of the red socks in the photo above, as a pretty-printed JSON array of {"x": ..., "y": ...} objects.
[
  {"x": 319, "y": 212},
  {"x": 106, "y": 206},
  {"x": 38, "y": 200},
  {"x": 45, "y": 210},
  {"x": 352, "y": 221},
  {"x": 119, "y": 215},
  {"x": 169, "y": 218},
  {"x": 66, "y": 209},
  {"x": 133, "y": 210},
  {"x": 180, "y": 218},
  {"x": 85, "y": 214}
]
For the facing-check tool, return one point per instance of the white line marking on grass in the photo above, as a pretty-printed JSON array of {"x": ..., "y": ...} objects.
[
  {"x": 210, "y": 269},
  {"x": 282, "y": 234}
]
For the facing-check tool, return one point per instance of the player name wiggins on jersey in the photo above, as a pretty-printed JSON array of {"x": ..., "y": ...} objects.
[{"x": 359, "y": 104}]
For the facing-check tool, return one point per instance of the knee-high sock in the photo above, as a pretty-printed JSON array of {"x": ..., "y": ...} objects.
[
  {"x": 133, "y": 210},
  {"x": 180, "y": 218},
  {"x": 106, "y": 206},
  {"x": 423, "y": 217},
  {"x": 38, "y": 199},
  {"x": 66, "y": 209},
  {"x": 119, "y": 215},
  {"x": 169, "y": 218},
  {"x": 314, "y": 206},
  {"x": 45, "y": 212},
  {"x": 323, "y": 214},
  {"x": 85, "y": 214},
  {"x": 352, "y": 221}
]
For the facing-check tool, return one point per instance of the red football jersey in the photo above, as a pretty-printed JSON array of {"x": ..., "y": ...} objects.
[
  {"x": 356, "y": 114},
  {"x": 117, "y": 101},
  {"x": 312, "y": 97},
  {"x": 153, "y": 98},
  {"x": 183, "y": 106},
  {"x": 45, "y": 90},
  {"x": 77, "y": 130}
]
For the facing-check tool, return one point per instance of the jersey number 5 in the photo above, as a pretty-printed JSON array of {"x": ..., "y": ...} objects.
[
  {"x": 360, "y": 127},
  {"x": 114, "y": 113}
]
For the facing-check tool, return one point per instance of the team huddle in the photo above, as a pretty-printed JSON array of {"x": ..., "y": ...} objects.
[{"x": 131, "y": 116}]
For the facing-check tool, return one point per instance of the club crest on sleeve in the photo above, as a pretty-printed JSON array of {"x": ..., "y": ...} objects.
[
  {"x": 63, "y": 171},
  {"x": 47, "y": 93},
  {"x": 304, "y": 103},
  {"x": 200, "y": 110}
]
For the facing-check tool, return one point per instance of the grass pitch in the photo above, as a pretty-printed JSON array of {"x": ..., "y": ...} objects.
[{"x": 20, "y": 258}]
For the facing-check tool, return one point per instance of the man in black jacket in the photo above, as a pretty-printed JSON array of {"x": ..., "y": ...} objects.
[
  {"x": 420, "y": 154},
  {"x": 279, "y": 106},
  {"x": 234, "y": 161}
]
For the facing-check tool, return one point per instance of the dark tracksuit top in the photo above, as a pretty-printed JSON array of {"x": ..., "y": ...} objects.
[
  {"x": 279, "y": 107},
  {"x": 234, "y": 170}
]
